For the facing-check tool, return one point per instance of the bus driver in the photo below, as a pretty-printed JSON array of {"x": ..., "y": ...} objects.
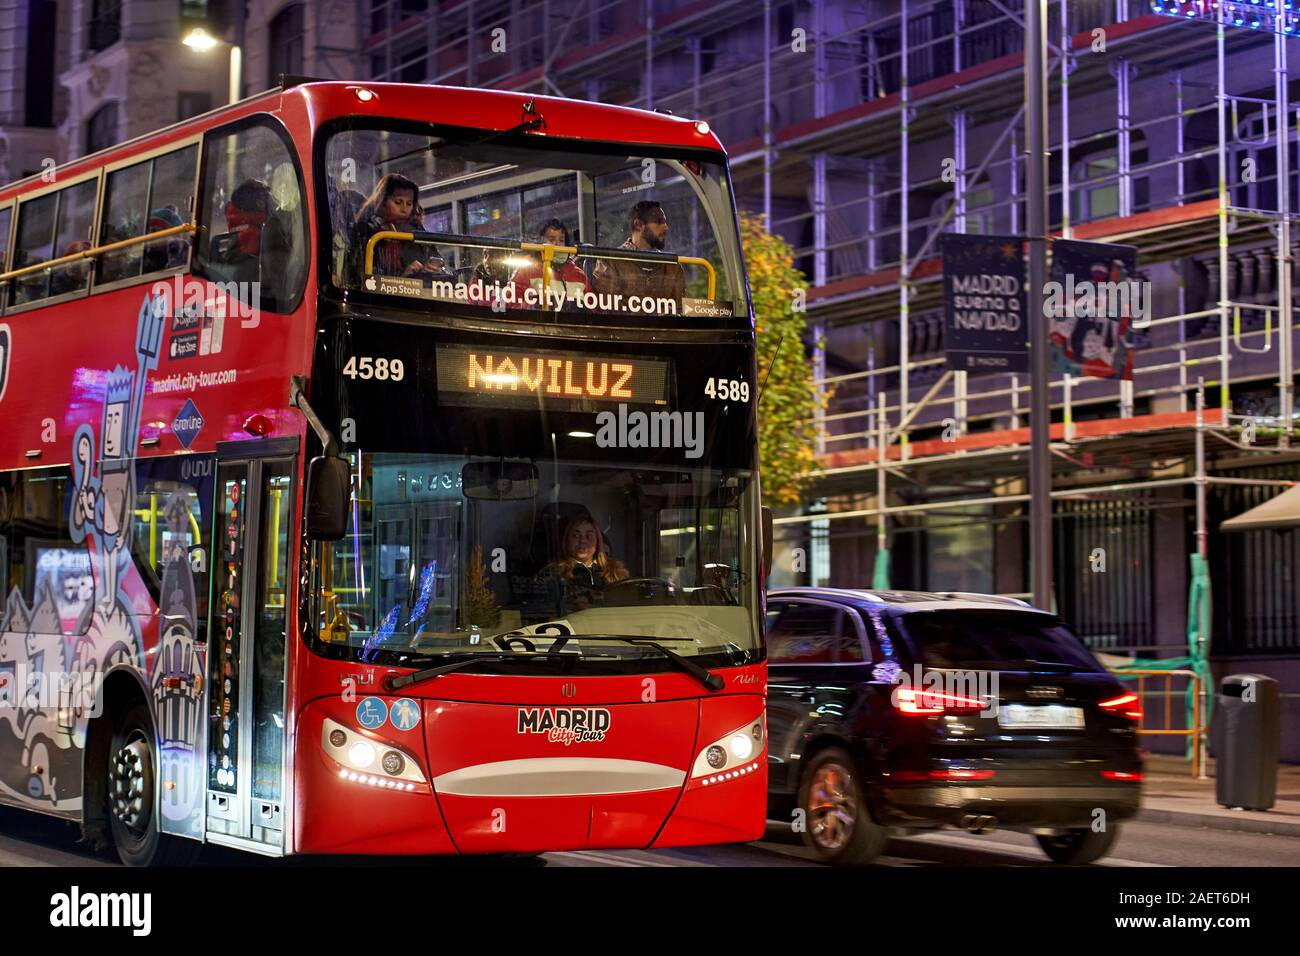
[{"x": 580, "y": 577}]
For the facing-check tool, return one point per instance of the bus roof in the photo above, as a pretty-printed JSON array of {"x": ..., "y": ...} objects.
[{"x": 491, "y": 110}]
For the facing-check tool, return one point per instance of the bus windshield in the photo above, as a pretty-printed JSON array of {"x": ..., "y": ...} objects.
[
  {"x": 471, "y": 555},
  {"x": 500, "y": 221}
]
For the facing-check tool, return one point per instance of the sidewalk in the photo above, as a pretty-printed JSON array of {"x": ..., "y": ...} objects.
[{"x": 1170, "y": 794}]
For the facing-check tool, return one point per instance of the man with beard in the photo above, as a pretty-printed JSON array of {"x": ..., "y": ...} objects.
[{"x": 648, "y": 228}]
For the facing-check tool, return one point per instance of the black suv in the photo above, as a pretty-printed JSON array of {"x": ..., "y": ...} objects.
[{"x": 900, "y": 710}]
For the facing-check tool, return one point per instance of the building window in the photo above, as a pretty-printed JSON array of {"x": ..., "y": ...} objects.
[
  {"x": 105, "y": 24},
  {"x": 412, "y": 68},
  {"x": 194, "y": 10},
  {"x": 286, "y": 44},
  {"x": 1096, "y": 183},
  {"x": 192, "y": 103},
  {"x": 101, "y": 128},
  {"x": 42, "y": 28}
]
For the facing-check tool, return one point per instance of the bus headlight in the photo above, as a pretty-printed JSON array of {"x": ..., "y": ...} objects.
[
  {"x": 731, "y": 756},
  {"x": 355, "y": 761},
  {"x": 361, "y": 755},
  {"x": 741, "y": 746}
]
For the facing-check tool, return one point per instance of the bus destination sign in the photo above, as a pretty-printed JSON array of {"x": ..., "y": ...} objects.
[{"x": 467, "y": 372}]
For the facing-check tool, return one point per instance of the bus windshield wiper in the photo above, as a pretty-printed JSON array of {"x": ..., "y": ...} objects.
[
  {"x": 429, "y": 673},
  {"x": 711, "y": 681}
]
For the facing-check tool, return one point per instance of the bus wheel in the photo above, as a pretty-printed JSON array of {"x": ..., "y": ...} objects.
[{"x": 132, "y": 765}]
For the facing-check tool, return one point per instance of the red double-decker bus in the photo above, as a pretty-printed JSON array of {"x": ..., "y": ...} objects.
[{"x": 378, "y": 475}]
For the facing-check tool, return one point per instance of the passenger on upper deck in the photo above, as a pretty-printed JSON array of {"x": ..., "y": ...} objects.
[
  {"x": 393, "y": 205},
  {"x": 648, "y": 231},
  {"x": 73, "y": 276},
  {"x": 565, "y": 271},
  {"x": 165, "y": 253},
  {"x": 247, "y": 214}
]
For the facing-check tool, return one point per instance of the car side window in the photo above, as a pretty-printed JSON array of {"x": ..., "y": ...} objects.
[
  {"x": 849, "y": 648},
  {"x": 774, "y": 610},
  {"x": 805, "y": 634}
]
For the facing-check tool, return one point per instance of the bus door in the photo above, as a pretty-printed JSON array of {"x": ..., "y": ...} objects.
[
  {"x": 417, "y": 563},
  {"x": 246, "y": 798}
]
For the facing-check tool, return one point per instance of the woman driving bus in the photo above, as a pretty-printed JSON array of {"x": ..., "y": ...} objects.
[{"x": 586, "y": 568}]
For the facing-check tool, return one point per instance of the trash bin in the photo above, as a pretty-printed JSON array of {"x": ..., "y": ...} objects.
[{"x": 1247, "y": 736}]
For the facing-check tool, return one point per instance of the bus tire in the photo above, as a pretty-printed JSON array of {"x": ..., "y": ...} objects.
[
  {"x": 837, "y": 822},
  {"x": 130, "y": 789}
]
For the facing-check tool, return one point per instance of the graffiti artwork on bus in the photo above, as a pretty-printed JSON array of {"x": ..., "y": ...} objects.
[{"x": 84, "y": 618}]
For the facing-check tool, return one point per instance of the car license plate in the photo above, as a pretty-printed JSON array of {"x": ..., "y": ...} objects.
[{"x": 1040, "y": 717}]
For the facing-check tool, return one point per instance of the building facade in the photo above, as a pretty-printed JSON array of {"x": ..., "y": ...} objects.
[
  {"x": 31, "y": 55},
  {"x": 77, "y": 76}
]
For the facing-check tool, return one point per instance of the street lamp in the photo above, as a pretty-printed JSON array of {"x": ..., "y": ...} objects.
[{"x": 201, "y": 41}]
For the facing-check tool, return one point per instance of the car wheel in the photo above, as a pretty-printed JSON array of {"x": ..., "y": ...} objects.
[
  {"x": 837, "y": 824},
  {"x": 132, "y": 764},
  {"x": 1076, "y": 847}
]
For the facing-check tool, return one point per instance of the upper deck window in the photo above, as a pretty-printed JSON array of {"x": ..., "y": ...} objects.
[
  {"x": 147, "y": 197},
  {"x": 251, "y": 230},
  {"x": 6, "y": 220},
  {"x": 51, "y": 226},
  {"x": 634, "y": 230}
]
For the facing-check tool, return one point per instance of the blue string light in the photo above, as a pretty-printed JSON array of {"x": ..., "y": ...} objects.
[{"x": 1266, "y": 15}]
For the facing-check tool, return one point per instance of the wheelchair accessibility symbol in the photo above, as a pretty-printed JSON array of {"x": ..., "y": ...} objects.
[{"x": 371, "y": 713}]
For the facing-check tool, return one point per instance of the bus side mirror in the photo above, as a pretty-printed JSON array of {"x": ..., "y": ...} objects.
[
  {"x": 329, "y": 486},
  {"x": 768, "y": 543}
]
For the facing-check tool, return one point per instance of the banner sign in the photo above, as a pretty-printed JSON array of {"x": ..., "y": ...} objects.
[
  {"x": 984, "y": 304},
  {"x": 1094, "y": 305}
]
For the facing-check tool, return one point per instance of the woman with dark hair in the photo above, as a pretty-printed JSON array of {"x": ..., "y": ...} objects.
[
  {"x": 585, "y": 567},
  {"x": 392, "y": 206}
]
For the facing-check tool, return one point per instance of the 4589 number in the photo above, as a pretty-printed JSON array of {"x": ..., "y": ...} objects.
[
  {"x": 727, "y": 389},
  {"x": 380, "y": 369}
]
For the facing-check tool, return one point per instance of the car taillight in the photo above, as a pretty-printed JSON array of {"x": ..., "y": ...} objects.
[
  {"x": 1130, "y": 705},
  {"x": 1122, "y": 776},
  {"x": 925, "y": 703},
  {"x": 927, "y": 776}
]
